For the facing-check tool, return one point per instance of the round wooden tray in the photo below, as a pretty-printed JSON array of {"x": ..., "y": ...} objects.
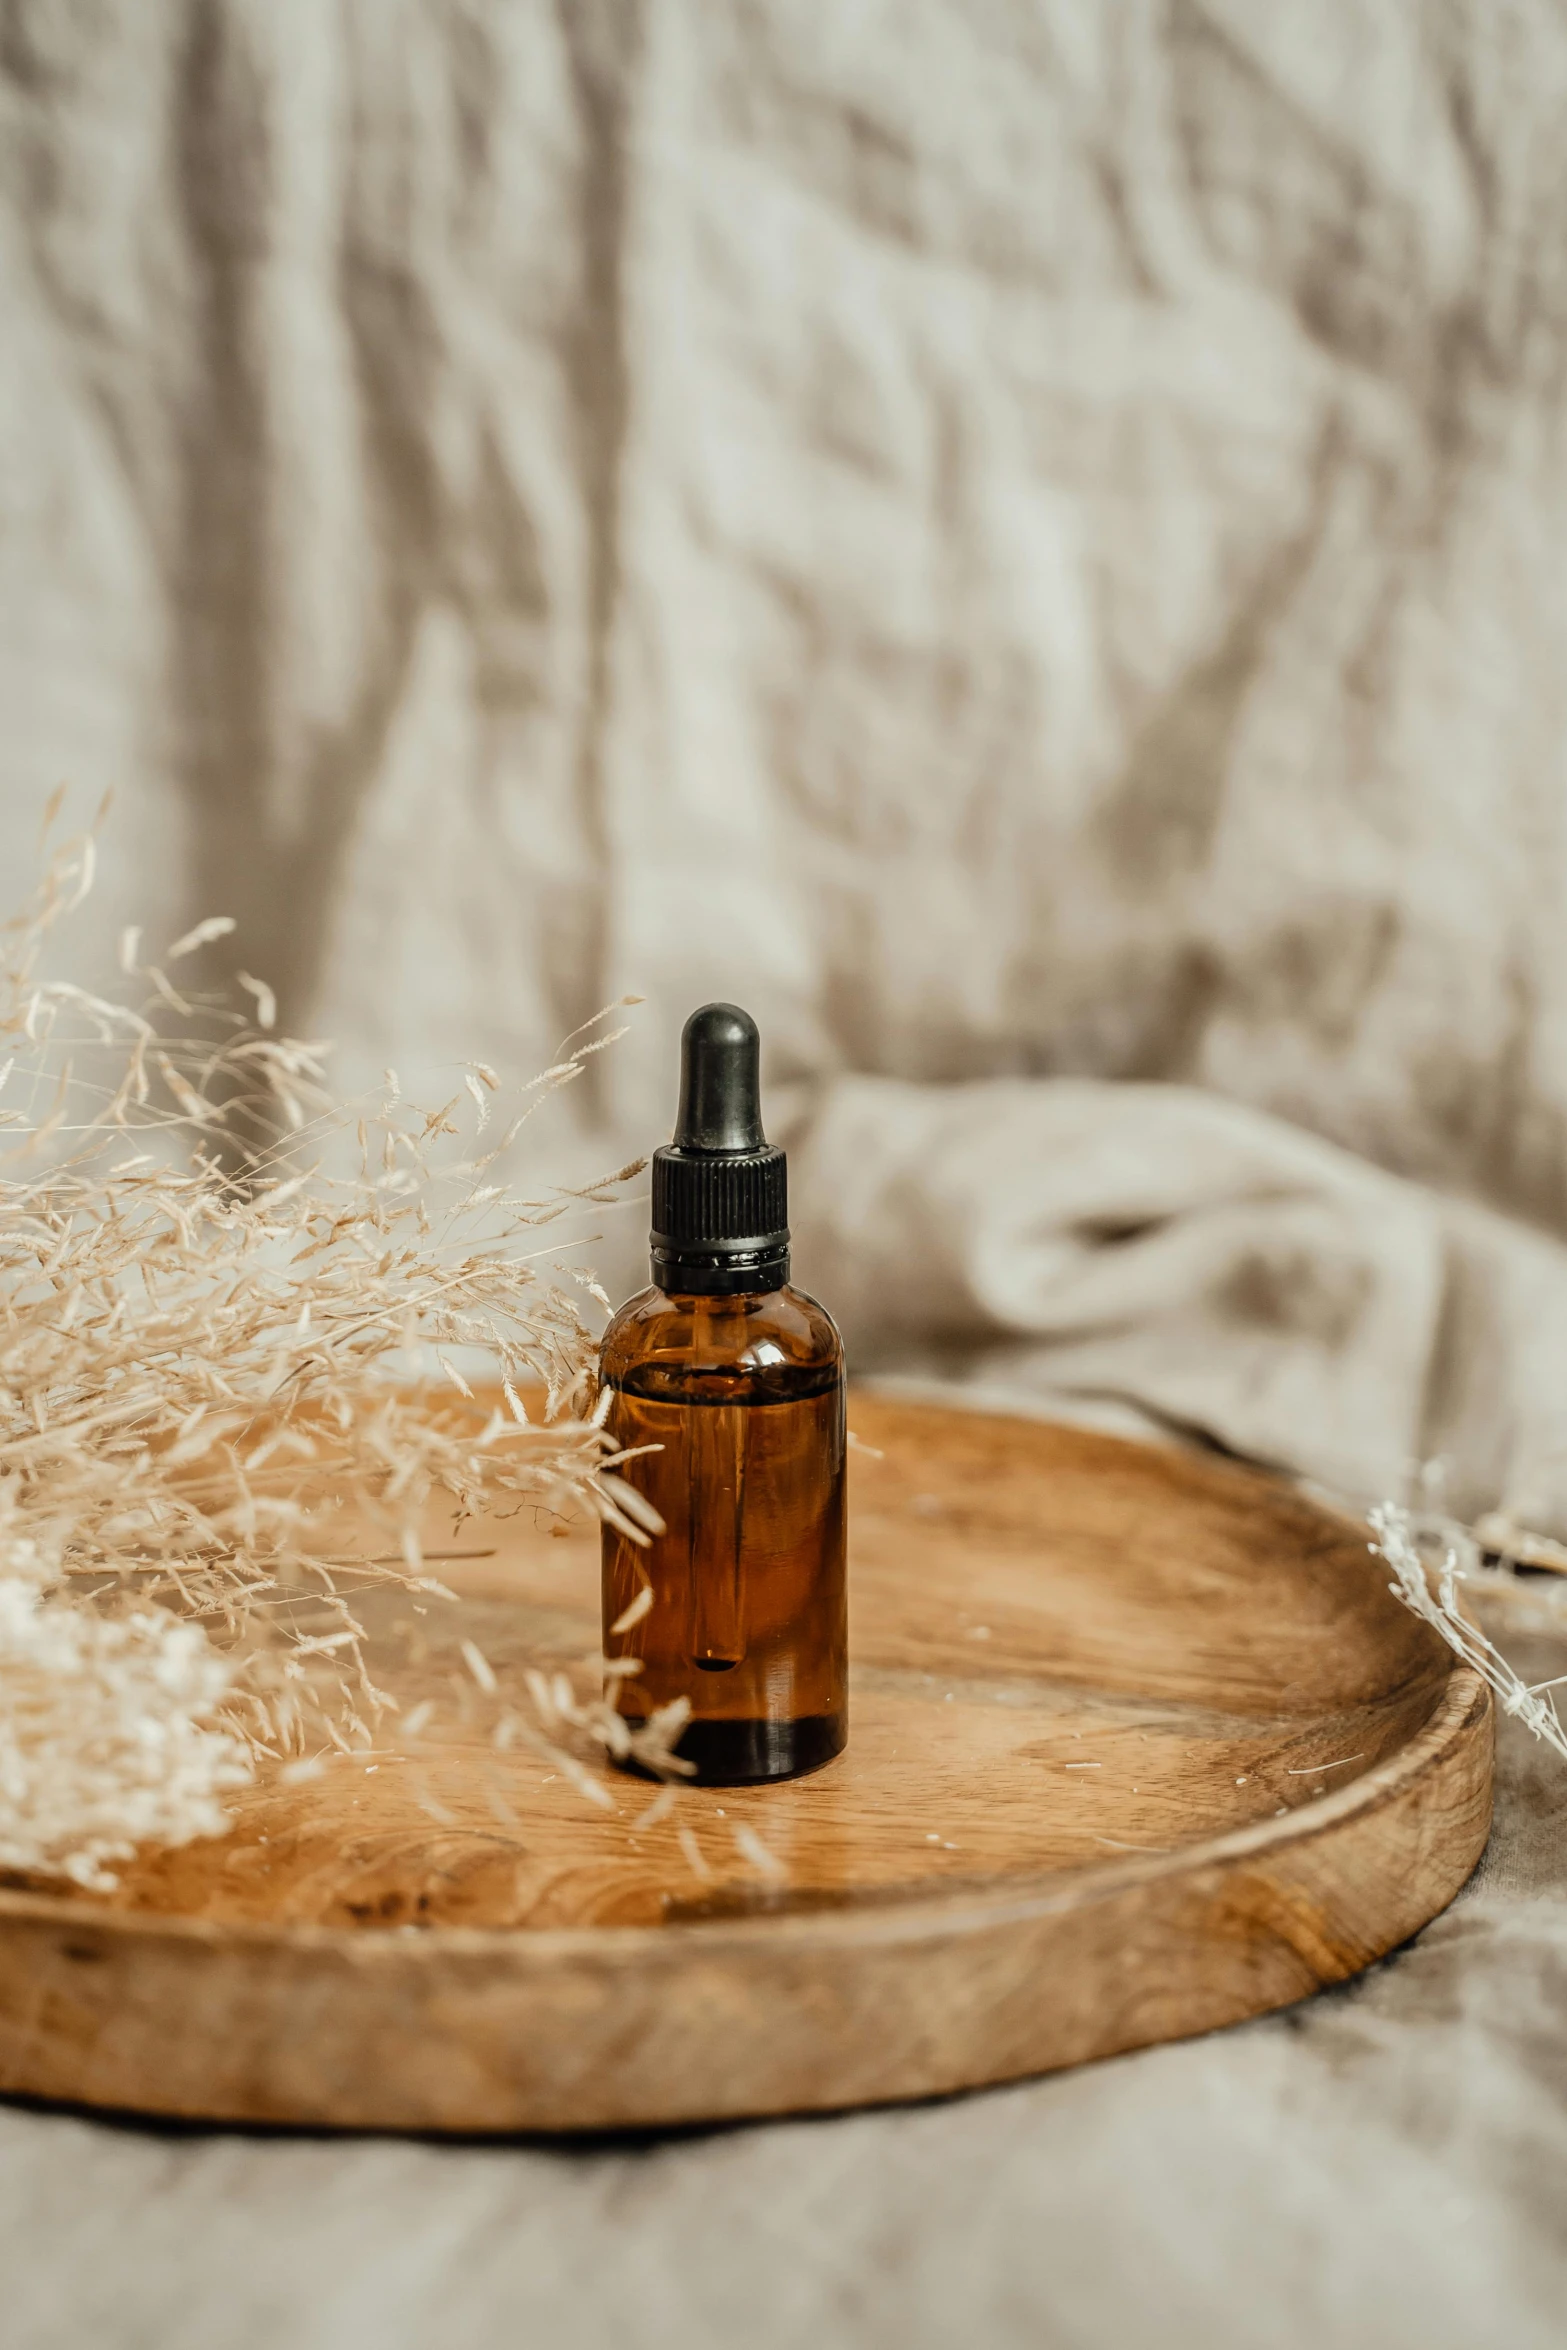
[{"x": 1140, "y": 1744}]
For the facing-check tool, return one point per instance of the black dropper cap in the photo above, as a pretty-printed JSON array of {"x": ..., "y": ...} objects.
[{"x": 720, "y": 1189}]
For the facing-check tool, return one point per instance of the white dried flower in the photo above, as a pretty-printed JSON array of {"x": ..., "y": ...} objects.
[
  {"x": 206, "y": 1339},
  {"x": 106, "y": 1734}
]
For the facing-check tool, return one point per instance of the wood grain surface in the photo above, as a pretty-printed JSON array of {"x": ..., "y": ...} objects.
[{"x": 1140, "y": 1744}]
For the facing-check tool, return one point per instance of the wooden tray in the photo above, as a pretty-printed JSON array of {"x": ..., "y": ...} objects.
[{"x": 1140, "y": 1744}]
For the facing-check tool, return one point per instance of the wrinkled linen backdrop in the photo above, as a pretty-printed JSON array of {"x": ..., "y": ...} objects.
[{"x": 1023, "y": 539}]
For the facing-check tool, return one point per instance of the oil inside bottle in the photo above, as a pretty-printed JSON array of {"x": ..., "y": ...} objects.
[{"x": 748, "y": 1621}]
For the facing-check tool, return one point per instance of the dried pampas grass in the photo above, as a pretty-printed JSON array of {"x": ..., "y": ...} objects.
[
  {"x": 219, "y": 1287},
  {"x": 1431, "y": 1593}
]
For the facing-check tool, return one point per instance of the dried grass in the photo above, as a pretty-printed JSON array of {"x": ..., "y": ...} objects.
[
  {"x": 210, "y": 1335},
  {"x": 1431, "y": 1593}
]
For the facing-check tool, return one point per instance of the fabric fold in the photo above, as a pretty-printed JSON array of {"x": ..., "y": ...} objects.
[{"x": 1206, "y": 1263}]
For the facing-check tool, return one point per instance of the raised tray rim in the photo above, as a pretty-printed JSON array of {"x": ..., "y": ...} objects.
[{"x": 486, "y": 2030}]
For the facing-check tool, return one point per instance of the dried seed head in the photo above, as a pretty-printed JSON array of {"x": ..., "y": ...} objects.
[{"x": 208, "y": 1334}]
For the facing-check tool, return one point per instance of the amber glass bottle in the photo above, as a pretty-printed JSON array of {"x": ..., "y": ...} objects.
[{"x": 737, "y": 1379}]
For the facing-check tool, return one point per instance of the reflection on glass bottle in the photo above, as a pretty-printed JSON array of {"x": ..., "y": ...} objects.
[{"x": 715, "y": 1507}]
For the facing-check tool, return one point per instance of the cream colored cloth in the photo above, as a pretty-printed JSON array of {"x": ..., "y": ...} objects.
[
  {"x": 1016, "y": 538},
  {"x": 1019, "y": 542},
  {"x": 1226, "y": 1274}
]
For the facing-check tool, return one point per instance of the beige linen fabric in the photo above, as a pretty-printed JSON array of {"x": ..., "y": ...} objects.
[
  {"x": 1019, "y": 538},
  {"x": 1020, "y": 541},
  {"x": 1233, "y": 1277}
]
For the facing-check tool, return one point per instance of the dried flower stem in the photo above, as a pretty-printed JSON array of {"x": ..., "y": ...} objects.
[
  {"x": 1439, "y": 1607},
  {"x": 218, "y": 1286}
]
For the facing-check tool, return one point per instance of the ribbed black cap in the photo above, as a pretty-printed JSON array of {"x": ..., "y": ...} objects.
[{"x": 720, "y": 1189}]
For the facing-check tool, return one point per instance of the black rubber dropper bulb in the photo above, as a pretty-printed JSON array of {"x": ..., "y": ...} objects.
[
  {"x": 720, "y": 1189},
  {"x": 720, "y": 1082}
]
